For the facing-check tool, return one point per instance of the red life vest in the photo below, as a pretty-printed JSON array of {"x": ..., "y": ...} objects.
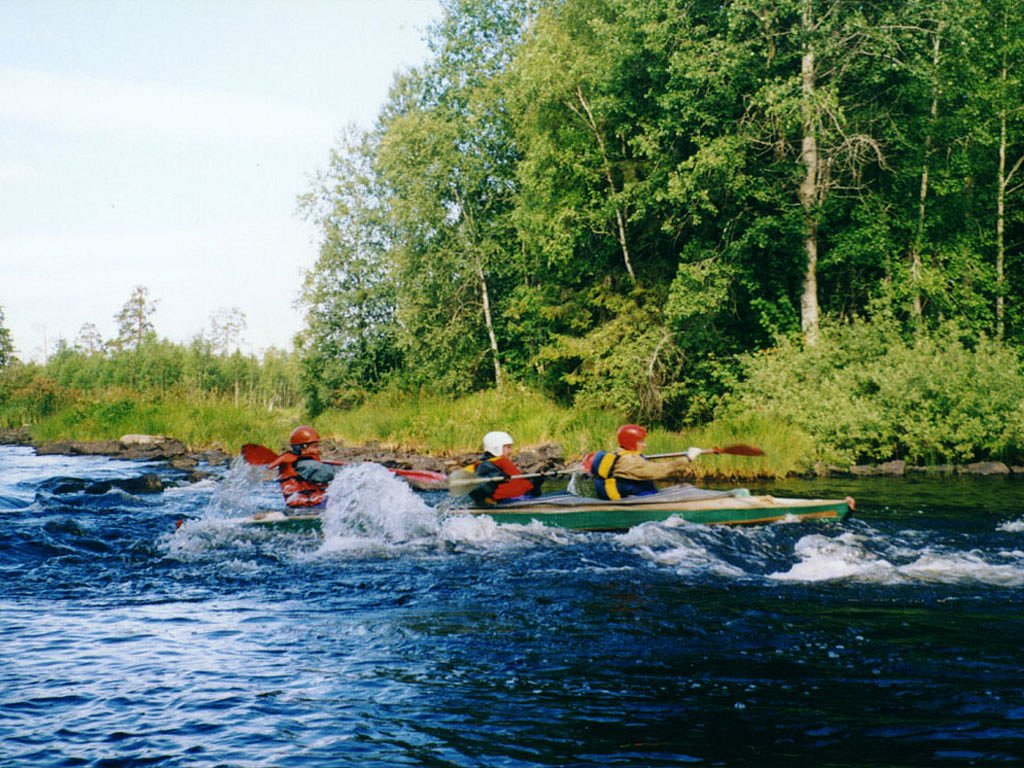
[
  {"x": 502, "y": 488},
  {"x": 297, "y": 492}
]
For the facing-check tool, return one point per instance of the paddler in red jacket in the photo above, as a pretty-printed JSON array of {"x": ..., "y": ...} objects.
[
  {"x": 303, "y": 476},
  {"x": 496, "y": 463}
]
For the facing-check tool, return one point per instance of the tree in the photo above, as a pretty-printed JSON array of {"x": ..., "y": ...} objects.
[
  {"x": 6, "y": 343},
  {"x": 349, "y": 345},
  {"x": 576, "y": 112},
  {"x": 226, "y": 329},
  {"x": 812, "y": 109},
  {"x": 446, "y": 163},
  {"x": 134, "y": 326},
  {"x": 89, "y": 340},
  {"x": 1007, "y": 25}
]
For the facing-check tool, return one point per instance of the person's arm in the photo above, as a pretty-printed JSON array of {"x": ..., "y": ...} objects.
[
  {"x": 313, "y": 471},
  {"x": 632, "y": 466},
  {"x": 484, "y": 492}
]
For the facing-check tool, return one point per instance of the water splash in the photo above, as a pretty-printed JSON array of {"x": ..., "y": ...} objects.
[
  {"x": 889, "y": 561},
  {"x": 370, "y": 510},
  {"x": 242, "y": 491},
  {"x": 368, "y": 507},
  {"x": 687, "y": 548}
]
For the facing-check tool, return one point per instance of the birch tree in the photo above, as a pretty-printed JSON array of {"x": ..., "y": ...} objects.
[{"x": 810, "y": 108}]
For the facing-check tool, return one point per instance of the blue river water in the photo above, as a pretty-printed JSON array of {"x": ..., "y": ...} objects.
[{"x": 407, "y": 635}]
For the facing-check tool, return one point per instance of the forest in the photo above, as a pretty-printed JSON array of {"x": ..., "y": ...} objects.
[
  {"x": 636, "y": 204},
  {"x": 684, "y": 212}
]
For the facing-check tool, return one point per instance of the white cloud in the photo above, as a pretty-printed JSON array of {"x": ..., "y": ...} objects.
[{"x": 78, "y": 104}]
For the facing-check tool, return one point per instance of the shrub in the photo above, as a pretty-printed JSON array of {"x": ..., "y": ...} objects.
[{"x": 865, "y": 393}]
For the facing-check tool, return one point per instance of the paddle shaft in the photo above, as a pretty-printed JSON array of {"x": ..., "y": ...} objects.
[
  {"x": 462, "y": 478},
  {"x": 734, "y": 450}
]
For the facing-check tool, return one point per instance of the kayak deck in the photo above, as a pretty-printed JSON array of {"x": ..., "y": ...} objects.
[{"x": 565, "y": 510}]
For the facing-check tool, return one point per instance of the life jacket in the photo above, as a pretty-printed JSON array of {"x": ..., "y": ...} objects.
[
  {"x": 609, "y": 487},
  {"x": 500, "y": 488},
  {"x": 297, "y": 492}
]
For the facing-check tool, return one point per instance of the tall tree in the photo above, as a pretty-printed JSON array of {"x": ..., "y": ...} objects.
[
  {"x": 89, "y": 339},
  {"x": 811, "y": 108},
  {"x": 349, "y": 344},
  {"x": 134, "y": 323},
  {"x": 6, "y": 343},
  {"x": 227, "y": 325},
  {"x": 1008, "y": 107},
  {"x": 577, "y": 98},
  {"x": 446, "y": 161}
]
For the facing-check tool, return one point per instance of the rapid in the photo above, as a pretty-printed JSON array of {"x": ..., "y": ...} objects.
[{"x": 154, "y": 630}]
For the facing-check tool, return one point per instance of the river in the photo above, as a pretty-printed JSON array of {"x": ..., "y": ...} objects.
[{"x": 407, "y": 636}]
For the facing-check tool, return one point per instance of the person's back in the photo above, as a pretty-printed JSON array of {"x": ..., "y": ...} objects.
[{"x": 303, "y": 476}]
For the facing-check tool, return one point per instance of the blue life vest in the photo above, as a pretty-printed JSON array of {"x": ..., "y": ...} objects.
[{"x": 609, "y": 487}]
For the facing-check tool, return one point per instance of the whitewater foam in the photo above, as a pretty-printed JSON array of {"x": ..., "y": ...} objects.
[{"x": 850, "y": 556}]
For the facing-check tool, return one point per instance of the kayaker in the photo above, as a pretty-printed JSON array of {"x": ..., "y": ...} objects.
[
  {"x": 626, "y": 472},
  {"x": 303, "y": 476},
  {"x": 496, "y": 463}
]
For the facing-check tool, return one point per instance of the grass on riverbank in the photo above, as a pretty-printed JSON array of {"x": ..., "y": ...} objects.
[{"x": 422, "y": 423}]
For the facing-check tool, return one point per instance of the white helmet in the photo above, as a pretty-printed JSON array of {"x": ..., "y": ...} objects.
[{"x": 494, "y": 442}]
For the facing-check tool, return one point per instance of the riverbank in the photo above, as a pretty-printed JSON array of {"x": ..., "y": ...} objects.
[
  {"x": 542, "y": 458},
  {"x": 178, "y": 455}
]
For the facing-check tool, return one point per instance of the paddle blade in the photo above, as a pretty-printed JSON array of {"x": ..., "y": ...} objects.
[
  {"x": 462, "y": 481},
  {"x": 740, "y": 449},
  {"x": 258, "y": 455},
  {"x": 422, "y": 479}
]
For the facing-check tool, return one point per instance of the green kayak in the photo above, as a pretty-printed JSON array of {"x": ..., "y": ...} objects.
[{"x": 581, "y": 513}]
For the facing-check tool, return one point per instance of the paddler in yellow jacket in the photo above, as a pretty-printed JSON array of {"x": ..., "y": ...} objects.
[{"x": 622, "y": 473}]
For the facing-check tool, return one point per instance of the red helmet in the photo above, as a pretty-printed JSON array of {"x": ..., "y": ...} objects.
[
  {"x": 629, "y": 435},
  {"x": 303, "y": 436}
]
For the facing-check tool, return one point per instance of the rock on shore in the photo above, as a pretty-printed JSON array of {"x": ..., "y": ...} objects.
[{"x": 162, "y": 448}]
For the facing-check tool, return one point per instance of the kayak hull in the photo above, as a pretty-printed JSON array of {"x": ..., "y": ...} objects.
[
  {"x": 750, "y": 510},
  {"x": 563, "y": 510}
]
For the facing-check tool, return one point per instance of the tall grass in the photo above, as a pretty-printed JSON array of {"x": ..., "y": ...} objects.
[
  {"x": 439, "y": 425},
  {"x": 435, "y": 425},
  {"x": 200, "y": 423},
  {"x": 422, "y": 423}
]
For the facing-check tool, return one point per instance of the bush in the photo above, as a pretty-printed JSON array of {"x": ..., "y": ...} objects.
[{"x": 866, "y": 394}]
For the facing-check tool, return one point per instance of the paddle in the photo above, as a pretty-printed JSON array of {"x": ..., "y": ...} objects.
[
  {"x": 257, "y": 455},
  {"x": 461, "y": 481},
  {"x": 261, "y": 456},
  {"x": 740, "y": 449}
]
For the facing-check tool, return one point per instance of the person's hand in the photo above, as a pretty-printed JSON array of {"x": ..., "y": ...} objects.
[
  {"x": 537, "y": 483},
  {"x": 693, "y": 453}
]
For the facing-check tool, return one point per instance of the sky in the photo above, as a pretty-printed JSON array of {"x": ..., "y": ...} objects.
[{"x": 164, "y": 144}]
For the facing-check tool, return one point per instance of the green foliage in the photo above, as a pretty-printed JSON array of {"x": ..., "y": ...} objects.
[
  {"x": 349, "y": 346},
  {"x": 6, "y": 343},
  {"x": 868, "y": 394},
  {"x": 160, "y": 387},
  {"x": 432, "y": 423},
  {"x": 202, "y": 422},
  {"x": 27, "y": 394},
  {"x": 615, "y": 201},
  {"x": 622, "y": 364},
  {"x": 134, "y": 324}
]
